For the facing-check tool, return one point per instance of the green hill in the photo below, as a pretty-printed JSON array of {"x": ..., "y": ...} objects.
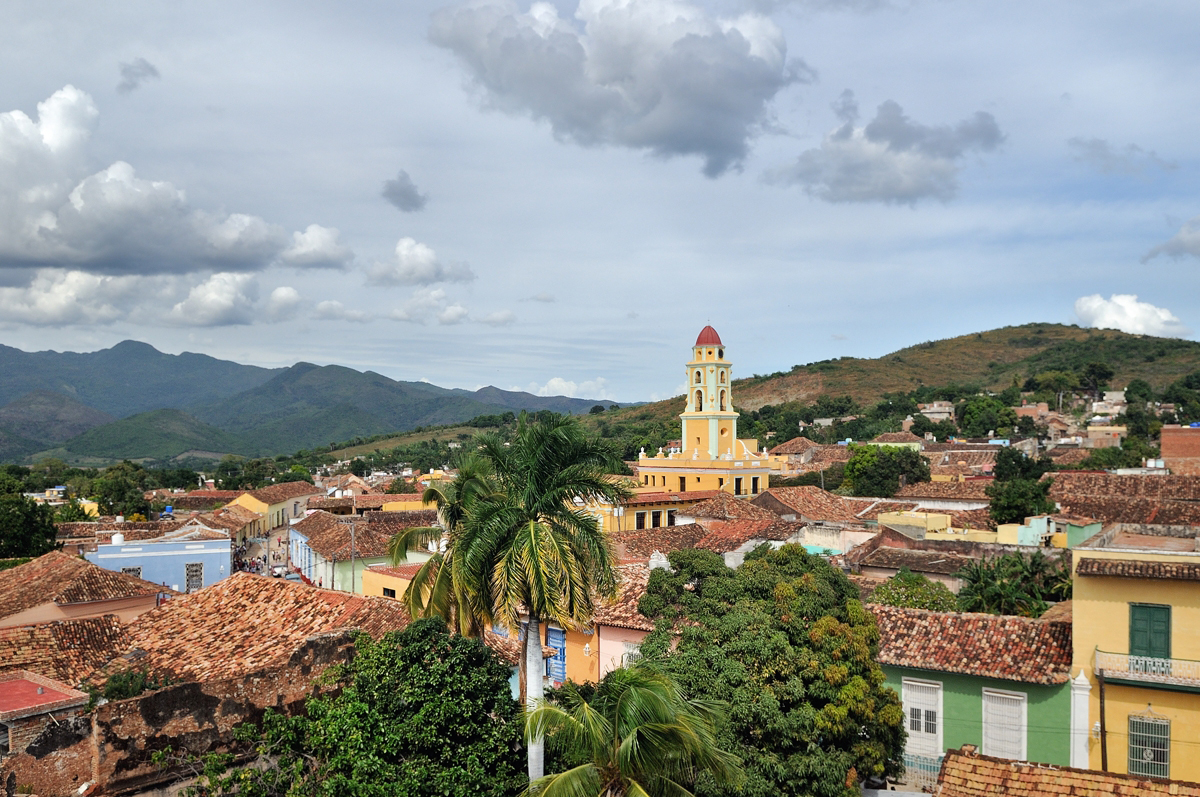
[{"x": 158, "y": 434}]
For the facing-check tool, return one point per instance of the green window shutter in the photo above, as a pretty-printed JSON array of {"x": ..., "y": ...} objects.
[{"x": 1150, "y": 631}]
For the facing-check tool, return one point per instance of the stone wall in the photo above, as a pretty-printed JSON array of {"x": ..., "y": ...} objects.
[{"x": 51, "y": 753}]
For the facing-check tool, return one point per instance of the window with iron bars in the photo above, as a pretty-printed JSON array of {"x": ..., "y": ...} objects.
[{"x": 1150, "y": 747}]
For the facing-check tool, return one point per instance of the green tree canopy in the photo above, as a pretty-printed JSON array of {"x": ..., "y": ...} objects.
[
  {"x": 979, "y": 415},
  {"x": 876, "y": 470},
  {"x": 635, "y": 735},
  {"x": 785, "y": 642},
  {"x": 909, "y": 590},
  {"x": 26, "y": 527},
  {"x": 1016, "y": 499},
  {"x": 1012, "y": 463},
  {"x": 419, "y": 712},
  {"x": 1095, "y": 376},
  {"x": 1014, "y": 584},
  {"x": 1138, "y": 391}
]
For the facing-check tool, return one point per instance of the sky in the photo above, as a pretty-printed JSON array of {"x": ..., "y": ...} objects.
[{"x": 556, "y": 197}]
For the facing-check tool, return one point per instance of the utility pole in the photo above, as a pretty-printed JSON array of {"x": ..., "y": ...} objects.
[{"x": 351, "y": 557}]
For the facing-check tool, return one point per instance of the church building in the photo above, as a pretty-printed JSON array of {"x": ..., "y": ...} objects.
[{"x": 710, "y": 456}]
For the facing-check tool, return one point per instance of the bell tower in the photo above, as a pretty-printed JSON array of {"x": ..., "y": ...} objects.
[{"x": 709, "y": 422}]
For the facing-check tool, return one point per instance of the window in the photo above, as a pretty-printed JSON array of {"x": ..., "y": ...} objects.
[
  {"x": 737, "y": 486},
  {"x": 722, "y": 401},
  {"x": 556, "y": 665},
  {"x": 640, "y": 520},
  {"x": 388, "y": 592},
  {"x": 1004, "y": 724},
  {"x": 670, "y": 517},
  {"x": 1149, "y": 631},
  {"x": 194, "y": 573},
  {"x": 753, "y": 485},
  {"x": 699, "y": 404},
  {"x": 499, "y": 629},
  {"x": 632, "y": 652},
  {"x": 923, "y": 711},
  {"x": 4, "y": 743},
  {"x": 136, "y": 572},
  {"x": 722, "y": 377},
  {"x": 720, "y": 482},
  {"x": 683, "y": 484},
  {"x": 697, "y": 377},
  {"x": 1150, "y": 746},
  {"x": 656, "y": 518}
]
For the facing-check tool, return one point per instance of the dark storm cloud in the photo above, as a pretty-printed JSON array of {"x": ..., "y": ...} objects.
[
  {"x": 402, "y": 192},
  {"x": 891, "y": 159},
  {"x": 648, "y": 74},
  {"x": 134, "y": 73}
]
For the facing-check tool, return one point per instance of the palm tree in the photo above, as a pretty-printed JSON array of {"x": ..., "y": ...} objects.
[
  {"x": 438, "y": 588},
  {"x": 637, "y": 736},
  {"x": 531, "y": 548}
]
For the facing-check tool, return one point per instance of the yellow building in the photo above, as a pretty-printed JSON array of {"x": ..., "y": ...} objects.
[
  {"x": 276, "y": 505},
  {"x": 1136, "y": 607},
  {"x": 710, "y": 457}
]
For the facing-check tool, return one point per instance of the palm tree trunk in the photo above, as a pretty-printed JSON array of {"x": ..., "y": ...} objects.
[{"x": 533, "y": 690}]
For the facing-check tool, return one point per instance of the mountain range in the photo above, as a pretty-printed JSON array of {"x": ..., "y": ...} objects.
[{"x": 134, "y": 402}]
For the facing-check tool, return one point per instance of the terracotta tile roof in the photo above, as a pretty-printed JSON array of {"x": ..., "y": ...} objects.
[
  {"x": 508, "y": 647},
  {"x": 946, "y": 564},
  {"x": 1160, "y": 500},
  {"x": 622, "y": 610},
  {"x": 987, "y": 645},
  {"x": 640, "y": 543},
  {"x": 898, "y": 437},
  {"x": 1058, "y": 613},
  {"x": 278, "y": 493},
  {"x": 393, "y": 522},
  {"x": 1134, "y": 568},
  {"x": 972, "y": 490},
  {"x": 246, "y": 623},
  {"x": 353, "y": 501},
  {"x": 733, "y": 535},
  {"x": 828, "y": 455},
  {"x": 971, "y": 458},
  {"x": 405, "y": 571},
  {"x": 222, "y": 495},
  {"x": 1068, "y": 456},
  {"x": 673, "y": 497},
  {"x": 231, "y": 518},
  {"x": 814, "y": 503},
  {"x": 59, "y": 578},
  {"x": 965, "y": 773},
  {"x": 972, "y": 519},
  {"x": 330, "y": 536},
  {"x": 866, "y": 585},
  {"x": 724, "y": 506},
  {"x": 797, "y": 445},
  {"x": 66, "y": 650},
  {"x": 877, "y": 508},
  {"x": 133, "y": 530}
]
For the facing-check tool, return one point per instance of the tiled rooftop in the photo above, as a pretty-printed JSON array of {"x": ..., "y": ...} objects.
[
  {"x": 374, "y": 501},
  {"x": 622, "y": 611},
  {"x": 337, "y": 538},
  {"x": 814, "y": 503},
  {"x": 724, "y": 506},
  {"x": 898, "y": 437},
  {"x": 247, "y": 622},
  {"x": 66, "y": 650},
  {"x": 278, "y": 493},
  {"x": 640, "y": 543},
  {"x": 734, "y": 535},
  {"x": 965, "y": 773},
  {"x": 1133, "y": 568},
  {"x": 672, "y": 497},
  {"x": 59, "y": 578},
  {"x": 797, "y": 445},
  {"x": 916, "y": 561},
  {"x": 876, "y": 508},
  {"x": 979, "y": 519},
  {"x": 407, "y": 571},
  {"x": 987, "y": 645},
  {"x": 972, "y": 490}
]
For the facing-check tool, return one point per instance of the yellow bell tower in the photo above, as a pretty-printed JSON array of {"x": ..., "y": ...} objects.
[{"x": 708, "y": 420}]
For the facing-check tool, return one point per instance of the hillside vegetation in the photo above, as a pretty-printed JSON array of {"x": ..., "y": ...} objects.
[{"x": 158, "y": 434}]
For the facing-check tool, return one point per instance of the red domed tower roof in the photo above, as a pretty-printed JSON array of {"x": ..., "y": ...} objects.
[{"x": 708, "y": 337}]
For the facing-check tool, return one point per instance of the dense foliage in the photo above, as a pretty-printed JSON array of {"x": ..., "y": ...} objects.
[
  {"x": 420, "y": 712},
  {"x": 877, "y": 471},
  {"x": 26, "y": 527},
  {"x": 1018, "y": 491},
  {"x": 909, "y": 590},
  {"x": 785, "y": 642},
  {"x": 1014, "y": 584},
  {"x": 635, "y": 708}
]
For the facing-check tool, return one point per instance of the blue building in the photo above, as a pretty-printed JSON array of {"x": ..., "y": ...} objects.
[{"x": 184, "y": 565}]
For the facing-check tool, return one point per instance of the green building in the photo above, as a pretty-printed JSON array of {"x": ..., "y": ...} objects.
[{"x": 1002, "y": 684}]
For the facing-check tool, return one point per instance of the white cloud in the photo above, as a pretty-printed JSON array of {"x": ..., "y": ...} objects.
[
  {"x": 500, "y": 318},
  {"x": 333, "y": 310},
  {"x": 56, "y": 212},
  {"x": 134, "y": 73},
  {"x": 56, "y": 297},
  {"x": 548, "y": 298},
  {"x": 223, "y": 299},
  {"x": 1108, "y": 159},
  {"x": 593, "y": 388},
  {"x": 429, "y": 304},
  {"x": 415, "y": 263},
  {"x": 891, "y": 159},
  {"x": 317, "y": 247},
  {"x": 1184, "y": 242},
  {"x": 657, "y": 75},
  {"x": 1123, "y": 311},
  {"x": 283, "y": 303}
]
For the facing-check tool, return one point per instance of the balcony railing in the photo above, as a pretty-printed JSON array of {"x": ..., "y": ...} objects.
[
  {"x": 921, "y": 771},
  {"x": 1149, "y": 670}
]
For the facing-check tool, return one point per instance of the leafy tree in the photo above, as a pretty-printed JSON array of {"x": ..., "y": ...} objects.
[
  {"x": 1016, "y": 499},
  {"x": 785, "y": 642},
  {"x": 1138, "y": 392},
  {"x": 399, "y": 486},
  {"x": 359, "y": 468},
  {"x": 597, "y": 409},
  {"x": 636, "y": 734},
  {"x": 1012, "y": 463},
  {"x": 1014, "y": 584},
  {"x": 941, "y": 430},
  {"x": 979, "y": 415},
  {"x": 909, "y": 590},
  {"x": 1095, "y": 377},
  {"x": 877, "y": 470},
  {"x": 420, "y": 712},
  {"x": 26, "y": 527},
  {"x": 228, "y": 474},
  {"x": 527, "y": 548},
  {"x": 1057, "y": 382},
  {"x": 71, "y": 512},
  {"x": 297, "y": 473},
  {"x": 119, "y": 490}
]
